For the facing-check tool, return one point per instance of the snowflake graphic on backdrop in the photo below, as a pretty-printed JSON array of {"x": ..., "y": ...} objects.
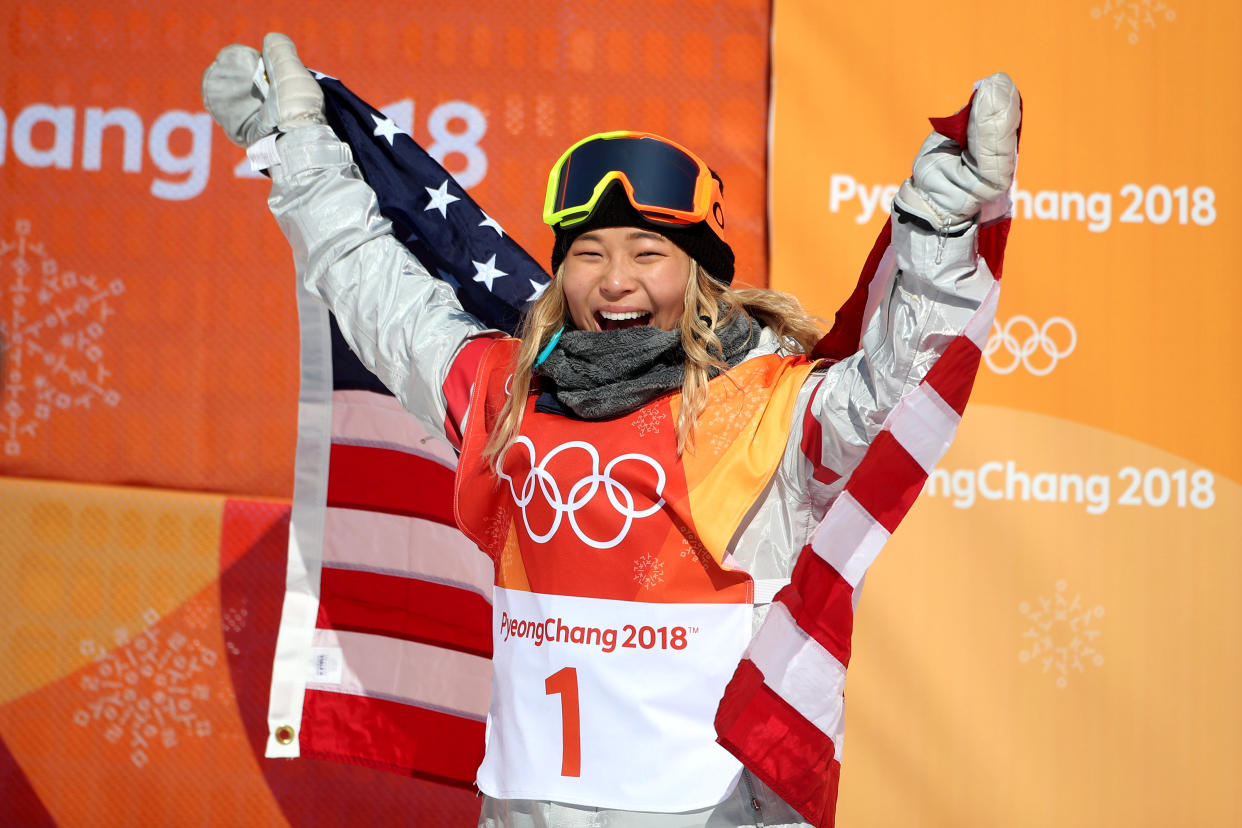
[
  {"x": 1062, "y": 636},
  {"x": 145, "y": 694},
  {"x": 648, "y": 571},
  {"x": 1132, "y": 16},
  {"x": 51, "y": 321}
]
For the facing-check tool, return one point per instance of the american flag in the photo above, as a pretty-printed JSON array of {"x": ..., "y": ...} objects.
[
  {"x": 383, "y": 657},
  {"x": 783, "y": 713},
  {"x": 383, "y": 654}
]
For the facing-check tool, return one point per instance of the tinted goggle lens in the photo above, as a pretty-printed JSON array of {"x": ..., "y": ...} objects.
[{"x": 663, "y": 177}]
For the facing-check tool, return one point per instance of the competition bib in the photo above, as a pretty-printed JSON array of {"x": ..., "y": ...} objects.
[{"x": 610, "y": 703}]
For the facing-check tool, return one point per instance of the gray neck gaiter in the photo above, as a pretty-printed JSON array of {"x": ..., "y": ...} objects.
[{"x": 603, "y": 374}]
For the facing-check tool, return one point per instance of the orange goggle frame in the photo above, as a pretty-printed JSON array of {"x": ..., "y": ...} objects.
[{"x": 664, "y": 181}]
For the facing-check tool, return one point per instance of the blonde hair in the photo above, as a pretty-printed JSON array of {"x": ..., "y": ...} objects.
[{"x": 708, "y": 302}]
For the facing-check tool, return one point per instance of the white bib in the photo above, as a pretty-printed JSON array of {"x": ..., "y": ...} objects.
[{"x": 610, "y": 703}]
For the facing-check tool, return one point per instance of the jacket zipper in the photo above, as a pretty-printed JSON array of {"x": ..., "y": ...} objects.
[{"x": 754, "y": 800}]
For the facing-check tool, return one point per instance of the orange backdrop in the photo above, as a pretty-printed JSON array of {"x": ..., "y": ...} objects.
[{"x": 1048, "y": 639}]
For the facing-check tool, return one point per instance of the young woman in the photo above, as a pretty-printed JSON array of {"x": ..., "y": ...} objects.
[{"x": 645, "y": 461}]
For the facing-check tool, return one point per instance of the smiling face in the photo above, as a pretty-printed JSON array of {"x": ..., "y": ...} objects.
[{"x": 624, "y": 277}]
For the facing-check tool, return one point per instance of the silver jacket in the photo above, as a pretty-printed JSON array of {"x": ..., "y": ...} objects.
[{"x": 407, "y": 326}]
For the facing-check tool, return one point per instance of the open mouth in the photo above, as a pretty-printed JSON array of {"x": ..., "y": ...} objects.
[{"x": 616, "y": 321}]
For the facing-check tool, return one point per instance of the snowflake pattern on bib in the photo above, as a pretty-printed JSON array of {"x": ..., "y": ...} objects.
[
  {"x": 648, "y": 421},
  {"x": 692, "y": 547},
  {"x": 729, "y": 420},
  {"x": 648, "y": 571}
]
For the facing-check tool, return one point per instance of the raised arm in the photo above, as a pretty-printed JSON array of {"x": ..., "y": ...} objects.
[
  {"x": 406, "y": 326},
  {"x": 934, "y": 281},
  {"x": 782, "y": 714}
]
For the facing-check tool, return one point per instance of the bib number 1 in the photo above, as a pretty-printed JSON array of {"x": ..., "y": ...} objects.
[{"x": 565, "y": 683}]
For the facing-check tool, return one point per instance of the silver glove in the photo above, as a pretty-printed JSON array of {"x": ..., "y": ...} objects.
[
  {"x": 949, "y": 184},
  {"x": 233, "y": 98},
  {"x": 297, "y": 98}
]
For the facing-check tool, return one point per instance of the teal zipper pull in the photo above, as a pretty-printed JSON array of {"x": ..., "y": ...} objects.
[{"x": 547, "y": 349}]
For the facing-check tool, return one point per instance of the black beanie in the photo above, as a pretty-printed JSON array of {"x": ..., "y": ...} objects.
[{"x": 698, "y": 240}]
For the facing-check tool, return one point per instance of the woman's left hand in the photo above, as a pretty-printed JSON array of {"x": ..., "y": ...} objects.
[{"x": 950, "y": 183}]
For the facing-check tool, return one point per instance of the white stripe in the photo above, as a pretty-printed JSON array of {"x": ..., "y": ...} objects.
[
  {"x": 924, "y": 425},
  {"x": 766, "y": 589},
  {"x": 405, "y": 546},
  {"x": 389, "y": 445},
  {"x": 369, "y": 419},
  {"x": 980, "y": 325},
  {"x": 848, "y": 538},
  {"x": 409, "y": 672},
  {"x": 310, "y": 491},
  {"x": 801, "y": 672}
]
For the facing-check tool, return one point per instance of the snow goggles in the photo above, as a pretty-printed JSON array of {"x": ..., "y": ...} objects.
[{"x": 665, "y": 182}]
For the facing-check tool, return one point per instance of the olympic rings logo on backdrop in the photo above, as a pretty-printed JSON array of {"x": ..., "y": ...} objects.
[
  {"x": 1020, "y": 339},
  {"x": 540, "y": 481}
]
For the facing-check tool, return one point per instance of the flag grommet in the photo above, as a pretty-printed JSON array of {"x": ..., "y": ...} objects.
[{"x": 284, "y": 734}]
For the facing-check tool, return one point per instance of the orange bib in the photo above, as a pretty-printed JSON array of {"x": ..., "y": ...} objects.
[{"x": 606, "y": 508}]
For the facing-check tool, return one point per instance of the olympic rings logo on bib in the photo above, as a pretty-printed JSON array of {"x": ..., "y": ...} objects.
[
  {"x": 1039, "y": 338},
  {"x": 540, "y": 482}
]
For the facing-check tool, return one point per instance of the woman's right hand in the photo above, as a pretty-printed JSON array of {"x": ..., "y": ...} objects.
[{"x": 248, "y": 103}]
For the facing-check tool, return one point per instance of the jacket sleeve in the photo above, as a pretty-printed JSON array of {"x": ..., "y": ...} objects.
[
  {"x": 934, "y": 287},
  {"x": 406, "y": 326},
  {"x": 937, "y": 285}
]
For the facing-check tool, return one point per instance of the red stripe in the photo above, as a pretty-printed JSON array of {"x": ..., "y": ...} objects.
[
  {"x": 991, "y": 245},
  {"x": 813, "y": 444},
  {"x": 792, "y": 756},
  {"x": 384, "y": 480},
  {"x": 406, "y": 608},
  {"x": 953, "y": 375},
  {"x": 386, "y": 734},
  {"x": 887, "y": 480},
  {"x": 821, "y": 602},
  {"x": 457, "y": 386},
  {"x": 845, "y": 337}
]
